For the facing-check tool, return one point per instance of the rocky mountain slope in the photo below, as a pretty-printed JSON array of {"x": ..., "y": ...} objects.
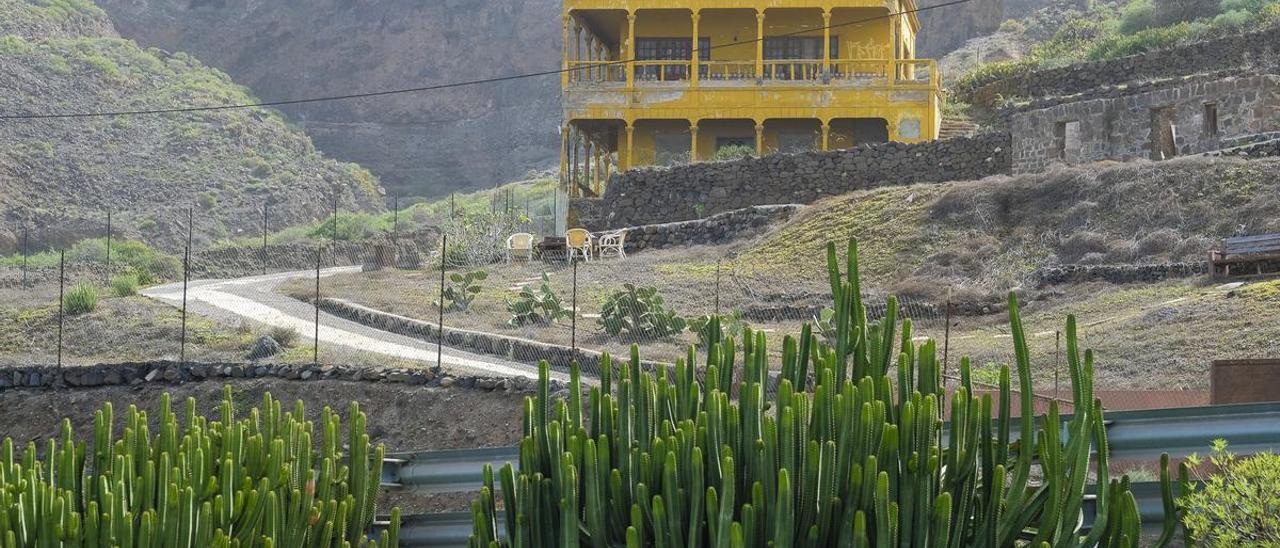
[
  {"x": 58, "y": 177},
  {"x": 423, "y": 143}
]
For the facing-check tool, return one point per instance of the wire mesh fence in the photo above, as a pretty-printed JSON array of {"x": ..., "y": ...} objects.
[{"x": 456, "y": 297}]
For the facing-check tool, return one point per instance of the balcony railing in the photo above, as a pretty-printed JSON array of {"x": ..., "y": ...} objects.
[
  {"x": 597, "y": 71},
  {"x": 842, "y": 72}
]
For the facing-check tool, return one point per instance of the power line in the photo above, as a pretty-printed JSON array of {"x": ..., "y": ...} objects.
[{"x": 450, "y": 85}]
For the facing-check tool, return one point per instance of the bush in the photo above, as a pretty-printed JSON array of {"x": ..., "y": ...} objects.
[
  {"x": 124, "y": 285},
  {"x": 462, "y": 290},
  {"x": 1237, "y": 506},
  {"x": 80, "y": 299},
  {"x": 537, "y": 307},
  {"x": 640, "y": 312},
  {"x": 1147, "y": 40},
  {"x": 286, "y": 336},
  {"x": 228, "y": 482},
  {"x": 1138, "y": 15},
  {"x": 733, "y": 152},
  {"x": 713, "y": 328}
]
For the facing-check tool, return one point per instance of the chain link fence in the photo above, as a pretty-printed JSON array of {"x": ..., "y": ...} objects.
[{"x": 419, "y": 296}]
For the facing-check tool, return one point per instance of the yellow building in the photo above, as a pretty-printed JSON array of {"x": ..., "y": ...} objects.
[{"x": 773, "y": 75}]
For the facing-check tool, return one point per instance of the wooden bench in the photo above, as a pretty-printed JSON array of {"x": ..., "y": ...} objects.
[{"x": 1246, "y": 256}]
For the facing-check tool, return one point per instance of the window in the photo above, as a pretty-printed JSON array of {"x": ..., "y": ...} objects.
[
  {"x": 668, "y": 49},
  {"x": 1066, "y": 141},
  {"x": 1164, "y": 136},
  {"x": 797, "y": 48},
  {"x": 1211, "y": 120}
]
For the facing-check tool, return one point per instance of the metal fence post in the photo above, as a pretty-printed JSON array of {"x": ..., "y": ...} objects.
[
  {"x": 62, "y": 281},
  {"x": 717, "y": 287},
  {"x": 946, "y": 335},
  {"x": 186, "y": 270},
  {"x": 573, "y": 330},
  {"x": 108, "y": 273},
  {"x": 264, "y": 235},
  {"x": 26, "y": 250},
  {"x": 335, "y": 227},
  {"x": 444, "y": 245},
  {"x": 315, "y": 350}
]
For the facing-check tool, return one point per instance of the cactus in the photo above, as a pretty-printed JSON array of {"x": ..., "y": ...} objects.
[
  {"x": 849, "y": 449},
  {"x": 253, "y": 481}
]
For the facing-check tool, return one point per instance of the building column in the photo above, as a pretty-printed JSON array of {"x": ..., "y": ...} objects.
[
  {"x": 564, "y": 54},
  {"x": 760, "y": 45},
  {"x": 826, "y": 43},
  {"x": 693, "y": 141},
  {"x": 577, "y": 51},
  {"x": 760, "y": 139},
  {"x": 697, "y": 55},
  {"x": 631, "y": 49},
  {"x": 588, "y": 168},
  {"x": 564, "y": 157},
  {"x": 826, "y": 137},
  {"x": 631, "y": 149}
]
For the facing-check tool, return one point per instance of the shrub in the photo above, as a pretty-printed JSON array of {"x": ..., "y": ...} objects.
[
  {"x": 80, "y": 299},
  {"x": 640, "y": 312},
  {"x": 733, "y": 152},
  {"x": 286, "y": 336},
  {"x": 1237, "y": 504},
  {"x": 713, "y": 328},
  {"x": 858, "y": 460},
  {"x": 1138, "y": 15},
  {"x": 537, "y": 307},
  {"x": 124, "y": 285},
  {"x": 462, "y": 290},
  {"x": 1147, "y": 40},
  {"x": 252, "y": 481},
  {"x": 479, "y": 238}
]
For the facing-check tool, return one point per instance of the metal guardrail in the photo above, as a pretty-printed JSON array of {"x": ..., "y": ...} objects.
[{"x": 1133, "y": 436}]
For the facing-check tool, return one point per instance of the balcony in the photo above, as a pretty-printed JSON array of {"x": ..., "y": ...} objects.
[{"x": 921, "y": 74}]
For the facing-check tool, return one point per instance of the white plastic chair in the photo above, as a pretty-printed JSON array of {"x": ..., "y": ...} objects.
[
  {"x": 578, "y": 242},
  {"x": 520, "y": 246},
  {"x": 613, "y": 243}
]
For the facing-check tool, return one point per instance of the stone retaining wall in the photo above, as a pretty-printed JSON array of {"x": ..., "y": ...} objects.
[
  {"x": 167, "y": 372},
  {"x": 715, "y": 229},
  {"x": 511, "y": 348},
  {"x": 1254, "y": 51},
  {"x": 1117, "y": 273},
  {"x": 695, "y": 191}
]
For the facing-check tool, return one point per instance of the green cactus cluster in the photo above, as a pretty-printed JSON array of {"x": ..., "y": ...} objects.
[
  {"x": 850, "y": 449},
  {"x": 252, "y": 481}
]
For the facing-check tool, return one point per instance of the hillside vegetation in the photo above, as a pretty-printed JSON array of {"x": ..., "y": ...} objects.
[
  {"x": 990, "y": 235},
  {"x": 61, "y": 175}
]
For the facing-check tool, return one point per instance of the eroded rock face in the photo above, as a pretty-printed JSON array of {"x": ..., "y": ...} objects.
[{"x": 426, "y": 143}]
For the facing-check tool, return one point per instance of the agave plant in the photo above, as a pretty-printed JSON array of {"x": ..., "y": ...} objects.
[
  {"x": 254, "y": 481},
  {"x": 835, "y": 454}
]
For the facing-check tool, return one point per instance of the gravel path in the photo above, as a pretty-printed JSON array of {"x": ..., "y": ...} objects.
[{"x": 255, "y": 298}]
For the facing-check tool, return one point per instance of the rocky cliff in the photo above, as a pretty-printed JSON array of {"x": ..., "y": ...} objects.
[
  {"x": 425, "y": 143},
  {"x": 59, "y": 177}
]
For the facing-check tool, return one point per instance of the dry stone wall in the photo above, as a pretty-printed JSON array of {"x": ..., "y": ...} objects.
[
  {"x": 696, "y": 191},
  {"x": 1176, "y": 118},
  {"x": 719, "y": 228},
  {"x": 1253, "y": 51}
]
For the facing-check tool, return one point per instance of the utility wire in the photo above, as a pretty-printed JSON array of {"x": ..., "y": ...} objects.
[{"x": 450, "y": 85}]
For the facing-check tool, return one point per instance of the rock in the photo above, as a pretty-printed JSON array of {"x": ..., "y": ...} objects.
[
  {"x": 264, "y": 347},
  {"x": 172, "y": 374},
  {"x": 447, "y": 382},
  {"x": 307, "y": 374},
  {"x": 152, "y": 375}
]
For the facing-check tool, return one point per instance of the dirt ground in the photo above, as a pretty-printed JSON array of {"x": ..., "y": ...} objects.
[{"x": 400, "y": 416}]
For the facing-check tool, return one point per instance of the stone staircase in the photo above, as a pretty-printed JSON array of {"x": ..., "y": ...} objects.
[{"x": 957, "y": 127}]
